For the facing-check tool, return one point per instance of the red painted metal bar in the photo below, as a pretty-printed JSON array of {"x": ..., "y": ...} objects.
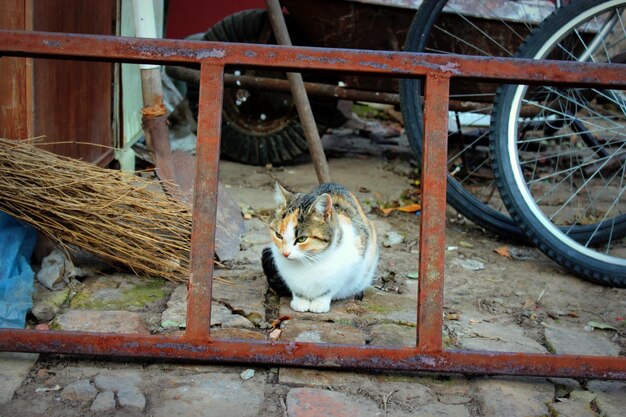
[
  {"x": 315, "y": 354},
  {"x": 433, "y": 219},
  {"x": 205, "y": 202},
  {"x": 196, "y": 344},
  {"x": 249, "y": 82},
  {"x": 394, "y": 64}
]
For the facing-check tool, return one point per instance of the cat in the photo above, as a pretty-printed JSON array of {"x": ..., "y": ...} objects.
[{"x": 324, "y": 247}]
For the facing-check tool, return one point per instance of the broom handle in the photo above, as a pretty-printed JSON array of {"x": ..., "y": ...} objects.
[
  {"x": 277, "y": 20},
  {"x": 153, "y": 121},
  {"x": 145, "y": 27}
]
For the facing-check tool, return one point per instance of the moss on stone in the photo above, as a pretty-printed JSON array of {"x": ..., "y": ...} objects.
[
  {"x": 120, "y": 295},
  {"x": 377, "y": 308},
  {"x": 549, "y": 347},
  {"x": 54, "y": 325}
]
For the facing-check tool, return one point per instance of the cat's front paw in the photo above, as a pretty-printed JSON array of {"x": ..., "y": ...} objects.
[
  {"x": 320, "y": 305},
  {"x": 300, "y": 304}
]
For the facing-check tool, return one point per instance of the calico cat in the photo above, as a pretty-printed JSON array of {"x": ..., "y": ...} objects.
[{"x": 324, "y": 246}]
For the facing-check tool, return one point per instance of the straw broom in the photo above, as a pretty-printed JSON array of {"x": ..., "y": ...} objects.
[{"x": 124, "y": 219}]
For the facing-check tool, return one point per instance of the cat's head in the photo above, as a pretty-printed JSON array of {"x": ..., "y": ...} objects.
[{"x": 303, "y": 225}]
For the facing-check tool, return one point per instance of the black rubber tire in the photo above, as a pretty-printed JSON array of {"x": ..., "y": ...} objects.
[
  {"x": 564, "y": 249},
  {"x": 411, "y": 104},
  {"x": 240, "y": 142}
]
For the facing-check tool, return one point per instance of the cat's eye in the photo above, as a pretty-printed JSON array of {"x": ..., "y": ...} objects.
[
  {"x": 301, "y": 239},
  {"x": 278, "y": 235}
]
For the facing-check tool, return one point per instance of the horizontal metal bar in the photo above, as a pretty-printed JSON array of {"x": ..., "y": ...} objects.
[
  {"x": 396, "y": 64},
  {"x": 248, "y": 82},
  {"x": 313, "y": 354}
]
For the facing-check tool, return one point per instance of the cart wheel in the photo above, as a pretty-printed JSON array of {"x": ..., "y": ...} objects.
[{"x": 258, "y": 127}]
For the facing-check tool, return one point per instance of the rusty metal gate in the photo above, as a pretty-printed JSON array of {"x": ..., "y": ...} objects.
[{"x": 197, "y": 343}]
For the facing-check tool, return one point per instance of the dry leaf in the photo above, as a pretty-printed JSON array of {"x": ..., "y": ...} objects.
[
  {"x": 453, "y": 316},
  {"x": 503, "y": 251},
  {"x": 276, "y": 323},
  {"x": 411, "y": 208}
]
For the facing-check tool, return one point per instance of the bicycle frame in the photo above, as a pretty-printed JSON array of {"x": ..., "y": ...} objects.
[{"x": 197, "y": 343}]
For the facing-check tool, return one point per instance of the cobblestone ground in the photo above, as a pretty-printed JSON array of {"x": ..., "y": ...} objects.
[{"x": 522, "y": 303}]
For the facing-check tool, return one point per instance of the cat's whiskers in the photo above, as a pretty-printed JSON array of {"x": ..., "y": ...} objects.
[
  {"x": 311, "y": 259},
  {"x": 306, "y": 261},
  {"x": 335, "y": 264}
]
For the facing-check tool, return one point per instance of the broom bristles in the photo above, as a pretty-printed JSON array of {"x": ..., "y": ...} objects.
[{"x": 124, "y": 219}]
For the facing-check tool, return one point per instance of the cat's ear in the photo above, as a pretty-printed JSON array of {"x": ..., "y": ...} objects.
[
  {"x": 323, "y": 205},
  {"x": 281, "y": 196}
]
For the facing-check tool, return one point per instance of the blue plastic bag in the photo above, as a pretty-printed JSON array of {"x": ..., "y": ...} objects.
[{"x": 17, "y": 242}]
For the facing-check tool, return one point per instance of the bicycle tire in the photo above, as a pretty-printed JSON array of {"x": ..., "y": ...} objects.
[
  {"x": 562, "y": 30},
  {"x": 424, "y": 27}
]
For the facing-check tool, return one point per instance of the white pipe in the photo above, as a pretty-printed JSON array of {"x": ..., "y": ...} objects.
[{"x": 145, "y": 24}]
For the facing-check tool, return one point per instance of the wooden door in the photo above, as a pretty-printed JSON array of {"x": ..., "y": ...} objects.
[{"x": 68, "y": 101}]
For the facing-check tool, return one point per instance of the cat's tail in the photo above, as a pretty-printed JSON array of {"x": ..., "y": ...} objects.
[{"x": 274, "y": 279}]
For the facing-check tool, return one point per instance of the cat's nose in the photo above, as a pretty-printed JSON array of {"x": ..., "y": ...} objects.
[{"x": 286, "y": 253}]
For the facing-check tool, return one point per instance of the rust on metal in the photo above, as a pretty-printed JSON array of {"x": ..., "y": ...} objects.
[
  {"x": 433, "y": 218},
  {"x": 196, "y": 343},
  {"x": 157, "y": 137},
  {"x": 314, "y": 354},
  {"x": 154, "y": 110},
  {"x": 249, "y": 82},
  {"x": 205, "y": 202},
  {"x": 395, "y": 64}
]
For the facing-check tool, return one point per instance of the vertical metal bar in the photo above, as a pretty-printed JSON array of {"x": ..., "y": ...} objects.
[
  {"x": 433, "y": 219},
  {"x": 205, "y": 201}
]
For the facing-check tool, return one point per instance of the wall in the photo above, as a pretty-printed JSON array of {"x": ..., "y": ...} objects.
[{"x": 186, "y": 17}]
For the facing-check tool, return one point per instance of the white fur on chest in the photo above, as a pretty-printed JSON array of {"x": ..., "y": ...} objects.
[{"x": 339, "y": 272}]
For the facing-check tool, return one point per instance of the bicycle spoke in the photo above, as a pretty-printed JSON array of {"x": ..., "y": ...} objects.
[
  {"x": 571, "y": 172},
  {"x": 562, "y": 170},
  {"x": 480, "y": 28},
  {"x": 606, "y": 214}
]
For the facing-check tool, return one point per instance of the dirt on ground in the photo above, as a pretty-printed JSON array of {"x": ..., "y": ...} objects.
[{"x": 499, "y": 295}]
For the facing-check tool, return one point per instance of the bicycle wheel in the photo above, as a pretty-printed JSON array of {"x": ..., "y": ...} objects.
[
  {"x": 560, "y": 152},
  {"x": 484, "y": 27}
]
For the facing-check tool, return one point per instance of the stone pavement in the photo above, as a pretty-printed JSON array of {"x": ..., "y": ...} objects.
[
  {"x": 162, "y": 390},
  {"x": 496, "y": 307}
]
